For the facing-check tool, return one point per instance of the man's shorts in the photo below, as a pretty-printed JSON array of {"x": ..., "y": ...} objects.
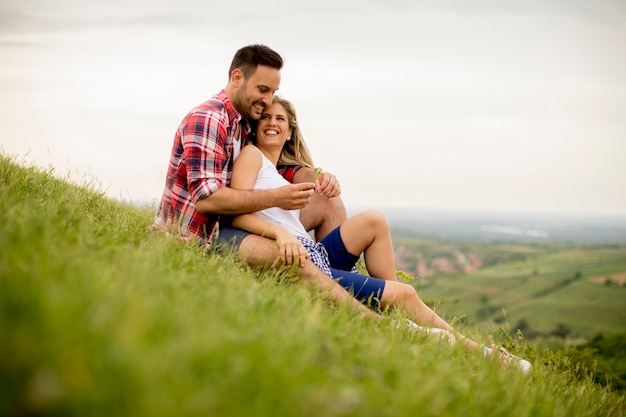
[
  {"x": 229, "y": 239},
  {"x": 365, "y": 289}
]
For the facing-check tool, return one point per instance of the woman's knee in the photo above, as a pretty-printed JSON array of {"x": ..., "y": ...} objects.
[
  {"x": 399, "y": 293},
  {"x": 374, "y": 219}
]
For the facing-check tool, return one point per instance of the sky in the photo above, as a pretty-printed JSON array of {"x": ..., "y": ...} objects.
[{"x": 486, "y": 105}]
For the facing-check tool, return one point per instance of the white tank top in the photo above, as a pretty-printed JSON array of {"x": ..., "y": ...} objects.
[{"x": 269, "y": 178}]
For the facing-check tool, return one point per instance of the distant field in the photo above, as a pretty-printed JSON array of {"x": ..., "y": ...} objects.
[
  {"x": 567, "y": 293},
  {"x": 613, "y": 279}
]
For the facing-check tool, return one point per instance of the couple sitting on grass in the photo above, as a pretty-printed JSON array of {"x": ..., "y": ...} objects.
[
  {"x": 212, "y": 177},
  {"x": 278, "y": 140}
]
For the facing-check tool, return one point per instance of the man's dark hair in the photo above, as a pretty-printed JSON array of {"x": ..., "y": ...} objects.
[{"x": 251, "y": 56}]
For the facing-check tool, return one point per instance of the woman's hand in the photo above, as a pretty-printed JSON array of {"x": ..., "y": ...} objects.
[{"x": 291, "y": 250}]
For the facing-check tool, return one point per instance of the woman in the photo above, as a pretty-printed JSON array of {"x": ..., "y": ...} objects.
[{"x": 278, "y": 140}]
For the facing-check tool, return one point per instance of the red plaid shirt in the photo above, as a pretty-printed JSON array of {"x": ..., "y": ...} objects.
[
  {"x": 200, "y": 164},
  {"x": 288, "y": 171}
]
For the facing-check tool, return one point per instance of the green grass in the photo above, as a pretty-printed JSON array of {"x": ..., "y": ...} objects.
[{"x": 101, "y": 316}]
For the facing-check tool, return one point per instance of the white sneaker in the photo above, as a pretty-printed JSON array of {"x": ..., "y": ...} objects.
[
  {"x": 440, "y": 333},
  {"x": 508, "y": 358}
]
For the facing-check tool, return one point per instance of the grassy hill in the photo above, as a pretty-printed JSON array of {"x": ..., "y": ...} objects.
[{"x": 101, "y": 316}]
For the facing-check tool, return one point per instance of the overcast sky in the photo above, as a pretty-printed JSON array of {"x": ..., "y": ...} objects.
[{"x": 442, "y": 104}]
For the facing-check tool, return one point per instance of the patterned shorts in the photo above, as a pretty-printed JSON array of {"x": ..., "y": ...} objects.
[{"x": 318, "y": 254}]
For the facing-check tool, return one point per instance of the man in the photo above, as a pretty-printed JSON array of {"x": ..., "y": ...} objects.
[{"x": 197, "y": 190}]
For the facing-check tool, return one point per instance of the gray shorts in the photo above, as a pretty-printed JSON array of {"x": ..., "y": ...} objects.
[{"x": 229, "y": 239}]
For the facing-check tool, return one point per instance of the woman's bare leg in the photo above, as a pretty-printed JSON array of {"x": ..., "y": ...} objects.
[
  {"x": 368, "y": 232},
  {"x": 404, "y": 297}
]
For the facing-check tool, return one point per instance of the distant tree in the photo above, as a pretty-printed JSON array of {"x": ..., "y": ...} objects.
[
  {"x": 604, "y": 358},
  {"x": 499, "y": 319},
  {"x": 608, "y": 281},
  {"x": 522, "y": 325},
  {"x": 561, "y": 330}
]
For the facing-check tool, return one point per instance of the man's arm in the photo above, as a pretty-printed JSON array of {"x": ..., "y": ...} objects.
[
  {"x": 231, "y": 202},
  {"x": 239, "y": 198}
]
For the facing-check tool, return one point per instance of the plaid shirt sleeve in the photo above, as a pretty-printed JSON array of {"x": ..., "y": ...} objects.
[
  {"x": 288, "y": 171},
  {"x": 198, "y": 167},
  {"x": 204, "y": 144}
]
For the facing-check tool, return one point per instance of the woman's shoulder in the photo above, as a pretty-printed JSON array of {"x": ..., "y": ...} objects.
[
  {"x": 250, "y": 148},
  {"x": 251, "y": 152},
  {"x": 249, "y": 156}
]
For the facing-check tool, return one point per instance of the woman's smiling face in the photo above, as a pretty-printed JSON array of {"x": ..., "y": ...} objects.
[{"x": 273, "y": 126}]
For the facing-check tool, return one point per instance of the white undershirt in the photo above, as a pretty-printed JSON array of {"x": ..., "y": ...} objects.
[{"x": 236, "y": 148}]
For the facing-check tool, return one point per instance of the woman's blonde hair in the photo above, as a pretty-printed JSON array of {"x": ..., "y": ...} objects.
[{"x": 295, "y": 151}]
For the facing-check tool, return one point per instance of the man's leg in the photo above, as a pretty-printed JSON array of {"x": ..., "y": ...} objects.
[
  {"x": 259, "y": 251},
  {"x": 263, "y": 252},
  {"x": 323, "y": 214}
]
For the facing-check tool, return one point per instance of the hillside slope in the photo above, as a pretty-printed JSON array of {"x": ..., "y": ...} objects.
[{"x": 100, "y": 316}]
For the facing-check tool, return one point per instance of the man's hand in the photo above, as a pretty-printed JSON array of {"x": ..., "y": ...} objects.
[
  {"x": 294, "y": 196},
  {"x": 327, "y": 185}
]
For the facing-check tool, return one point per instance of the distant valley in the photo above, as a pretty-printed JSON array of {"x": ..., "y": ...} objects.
[{"x": 543, "y": 275}]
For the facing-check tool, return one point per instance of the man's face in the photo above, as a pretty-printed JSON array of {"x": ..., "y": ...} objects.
[{"x": 256, "y": 92}]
